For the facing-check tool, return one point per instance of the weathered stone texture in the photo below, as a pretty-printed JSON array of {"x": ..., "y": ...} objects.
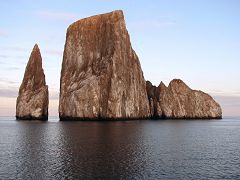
[
  {"x": 32, "y": 101},
  {"x": 179, "y": 101},
  {"x": 101, "y": 75}
]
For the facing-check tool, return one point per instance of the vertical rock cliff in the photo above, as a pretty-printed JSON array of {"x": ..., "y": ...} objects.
[
  {"x": 32, "y": 101},
  {"x": 179, "y": 101},
  {"x": 101, "y": 76},
  {"x": 153, "y": 93}
]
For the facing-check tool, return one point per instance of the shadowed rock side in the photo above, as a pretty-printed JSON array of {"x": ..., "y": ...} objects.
[
  {"x": 32, "y": 101},
  {"x": 101, "y": 77},
  {"x": 179, "y": 101},
  {"x": 154, "y": 101}
]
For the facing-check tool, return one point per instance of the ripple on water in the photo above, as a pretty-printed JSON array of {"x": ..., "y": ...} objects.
[{"x": 120, "y": 150}]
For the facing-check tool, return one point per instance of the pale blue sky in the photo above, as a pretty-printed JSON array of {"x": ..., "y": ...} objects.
[{"x": 197, "y": 41}]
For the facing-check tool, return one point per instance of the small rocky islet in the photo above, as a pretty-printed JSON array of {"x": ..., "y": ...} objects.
[{"x": 102, "y": 79}]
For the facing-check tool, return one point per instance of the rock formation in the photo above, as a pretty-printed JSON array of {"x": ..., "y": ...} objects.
[
  {"x": 179, "y": 101},
  {"x": 101, "y": 76},
  {"x": 32, "y": 101},
  {"x": 153, "y": 93}
]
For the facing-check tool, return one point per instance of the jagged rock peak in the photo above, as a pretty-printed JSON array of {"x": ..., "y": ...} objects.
[
  {"x": 32, "y": 101},
  {"x": 34, "y": 71},
  {"x": 179, "y": 101},
  {"x": 35, "y": 47},
  {"x": 101, "y": 75}
]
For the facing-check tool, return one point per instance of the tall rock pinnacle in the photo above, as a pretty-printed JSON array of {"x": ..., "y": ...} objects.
[
  {"x": 32, "y": 101},
  {"x": 101, "y": 75}
]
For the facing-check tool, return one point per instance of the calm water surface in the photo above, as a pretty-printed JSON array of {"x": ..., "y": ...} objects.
[{"x": 166, "y": 149}]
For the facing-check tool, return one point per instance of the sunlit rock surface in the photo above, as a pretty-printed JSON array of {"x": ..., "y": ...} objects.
[
  {"x": 32, "y": 101},
  {"x": 101, "y": 76},
  {"x": 179, "y": 101}
]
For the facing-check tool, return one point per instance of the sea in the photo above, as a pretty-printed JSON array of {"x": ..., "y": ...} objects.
[{"x": 139, "y": 149}]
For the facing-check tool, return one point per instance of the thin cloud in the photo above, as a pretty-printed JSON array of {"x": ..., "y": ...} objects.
[
  {"x": 228, "y": 100},
  {"x": 53, "y": 52},
  {"x": 220, "y": 93},
  {"x": 3, "y": 33},
  {"x": 7, "y": 56},
  {"x": 62, "y": 16},
  {"x": 22, "y": 57},
  {"x": 3, "y": 56},
  {"x": 57, "y": 37},
  {"x": 10, "y": 93},
  {"x": 12, "y": 48},
  {"x": 12, "y": 68},
  {"x": 230, "y": 105},
  {"x": 152, "y": 24},
  {"x": 7, "y": 81}
]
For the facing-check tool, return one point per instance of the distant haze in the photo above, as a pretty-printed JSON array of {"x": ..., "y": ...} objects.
[{"x": 196, "y": 41}]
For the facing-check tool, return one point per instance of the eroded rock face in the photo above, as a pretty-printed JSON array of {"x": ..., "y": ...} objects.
[
  {"x": 153, "y": 93},
  {"x": 32, "y": 101},
  {"x": 101, "y": 75},
  {"x": 179, "y": 101}
]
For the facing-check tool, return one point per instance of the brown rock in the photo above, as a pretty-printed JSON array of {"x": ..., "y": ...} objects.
[
  {"x": 32, "y": 101},
  {"x": 154, "y": 101},
  {"x": 101, "y": 75},
  {"x": 179, "y": 101}
]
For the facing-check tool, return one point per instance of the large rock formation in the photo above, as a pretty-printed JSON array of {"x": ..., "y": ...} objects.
[
  {"x": 179, "y": 101},
  {"x": 101, "y": 78},
  {"x": 101, "y": 75},
  {"x": 32, "y": 101}
]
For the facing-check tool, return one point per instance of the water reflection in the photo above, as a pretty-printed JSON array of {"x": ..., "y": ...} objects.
[
  {"x": 78, "y": 150},
  {"x": 102, "y": 150},
  {"x": 119, "y": 150}
]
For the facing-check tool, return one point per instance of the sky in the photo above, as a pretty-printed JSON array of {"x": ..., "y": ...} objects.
[{"x": 197, "y": 41}]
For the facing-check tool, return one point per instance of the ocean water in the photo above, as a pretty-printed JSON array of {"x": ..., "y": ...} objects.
[{"x": 144, "y": 149}]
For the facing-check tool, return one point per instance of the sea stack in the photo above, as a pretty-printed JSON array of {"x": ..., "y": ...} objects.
[
  {"x": 178, "y": 101},
  {"x": 32, "y": 101},
  {"x": 101, "y": 76}
]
